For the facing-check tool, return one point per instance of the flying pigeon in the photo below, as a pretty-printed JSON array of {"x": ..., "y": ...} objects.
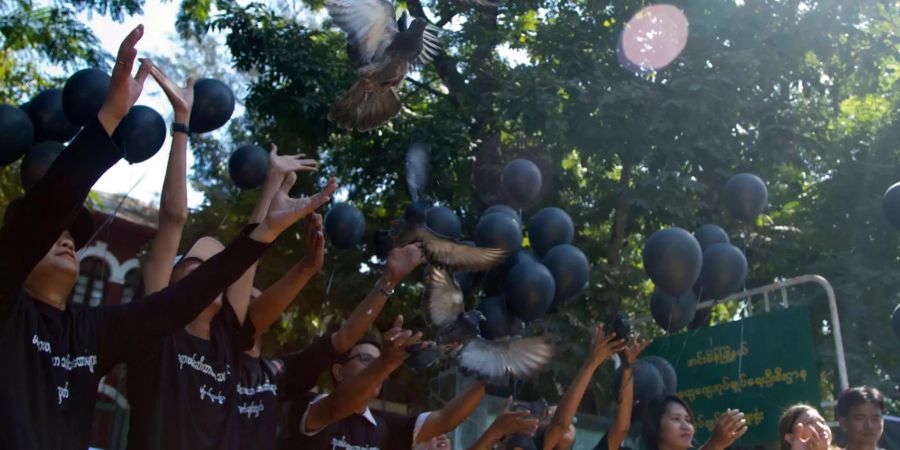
[
  {"x": 494, "y": 360},
  {"x": 383, "y": 51},
  {"x": 440, "y": 250}
]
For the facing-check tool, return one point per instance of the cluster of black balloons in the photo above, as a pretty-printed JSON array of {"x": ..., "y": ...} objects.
[
  {"x": 40, "y": 128},
  {"x": 653, "y": 377},
  {"x": 687, "y": 269}
]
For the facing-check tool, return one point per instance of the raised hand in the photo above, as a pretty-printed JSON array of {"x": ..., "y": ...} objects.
[
  {"x": 284, "y": 210},
  {"x": 514, "y": 422},
  {"x": 315, "y": 243},
  {"x": 604, "y": 345},
  {"x": 396, "y": 342},
  {"x": 123, "y": 89},
  {"x": 281, "y": 165},
  {"x": 181, "y": 98},
  {"x": 730, "y": 426},
  {"x": 401, "y": 261},
  {"x": 810, "y": 437},
  {"x": 634, "y": 348}
]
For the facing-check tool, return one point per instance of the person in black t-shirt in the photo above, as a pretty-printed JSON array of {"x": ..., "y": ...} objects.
[
  {"x": 183, "y": 390},
  {"x": 342, "y": 419},
  {"x": 290, "y": 376},
  {"x": 57, "y": 352}
]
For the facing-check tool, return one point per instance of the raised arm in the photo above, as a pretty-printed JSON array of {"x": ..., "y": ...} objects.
[
  {"x": 602, "y": 348},
  {"x": 621, "y": 425},
  {"x": 400, "y": 263},
  {"x": 508, "y": 422},
  {"x": 130, "y": 327},
  {"x": 730, "y": 426},
  {"x": 173, "y": 209},
  {"x": 354, "y": 393},
  {"x": 277, "y": 297},
  {"x": 452, "y": 414},
  {"x": 51, "y": 205},
  {"x": 280, "y": 175}
]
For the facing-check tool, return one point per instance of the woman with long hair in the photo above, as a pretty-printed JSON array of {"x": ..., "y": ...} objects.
[
  {"x": 801, "y": 427},
  {"x": 668, "y": 424}
]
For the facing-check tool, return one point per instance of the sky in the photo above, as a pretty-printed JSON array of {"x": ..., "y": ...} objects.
[{"x": 144, "y": 180}]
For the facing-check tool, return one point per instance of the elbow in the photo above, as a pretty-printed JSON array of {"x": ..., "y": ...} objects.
[{"x": 173, "y": 216}]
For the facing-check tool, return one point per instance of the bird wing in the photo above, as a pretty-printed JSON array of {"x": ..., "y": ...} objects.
[
  {"x": 458, "y": 257},
  {"x": 431, "y": 43},
  {"x": 496, "y": 360},
  {"x": 443, "y": 297},
  {"x": 370, "y": 26},
  {"x": 417, "y": 169}
]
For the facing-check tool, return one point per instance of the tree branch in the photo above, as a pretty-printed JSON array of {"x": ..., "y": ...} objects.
[
  {"x": 426, "y": 87},
  {"x": 444, "y": 64}
]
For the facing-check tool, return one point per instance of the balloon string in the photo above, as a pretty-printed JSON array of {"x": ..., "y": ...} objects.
[
  {"x": 233, "y": 203},
  {"x": 116, "y": 210},
  {"x": 330, "y": 279}
]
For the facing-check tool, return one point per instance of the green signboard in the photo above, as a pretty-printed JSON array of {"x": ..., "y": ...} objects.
[{"x": 759, "y": 365}]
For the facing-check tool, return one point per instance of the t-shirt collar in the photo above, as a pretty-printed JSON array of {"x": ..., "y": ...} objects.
[{"x": 368, "y": 415}]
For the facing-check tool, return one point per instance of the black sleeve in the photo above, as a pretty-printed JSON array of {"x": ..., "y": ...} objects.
[
  {"x": 227, "y": 325},
  {"x": 49, "y": 208},
  {"x": 134, "y": 326},
  {"x": 603, "y": 444},
  {"x": 301, "y": 369},
  {"x": 400, "y": 429},
  {"x": 292, "y": 437}
]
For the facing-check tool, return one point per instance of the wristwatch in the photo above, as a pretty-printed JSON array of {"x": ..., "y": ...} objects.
[
  {"x": 386, "y": 292},
  {"x": 180, "y": 128}
]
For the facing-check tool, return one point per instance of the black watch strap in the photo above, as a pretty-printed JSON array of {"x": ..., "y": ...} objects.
[{"x": 180, "y": 128}]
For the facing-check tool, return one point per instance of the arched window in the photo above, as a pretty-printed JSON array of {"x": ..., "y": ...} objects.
[
  {"x": 131, "y": 290},
  {"x": 91, "y": 285}
]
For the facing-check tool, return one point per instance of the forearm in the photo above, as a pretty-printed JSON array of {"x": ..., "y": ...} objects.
[
  {"x": 172, "y": 217},
  {"x": 452, "y": 414},
  {"x": 360, "y": 320},
  {"x": 622, "y": 423},
  {"x": 351, "y": 395},
  {"x": 568, "y": 405},
  {"x": 274, "y": 300}
]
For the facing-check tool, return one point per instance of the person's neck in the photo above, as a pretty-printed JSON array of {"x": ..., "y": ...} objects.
[
  {"x": 853, "y": 446},
  {"x": 199, "y": 327},
  {"x": 663, "y": 446},
  {"x": 53, "y": 294}
]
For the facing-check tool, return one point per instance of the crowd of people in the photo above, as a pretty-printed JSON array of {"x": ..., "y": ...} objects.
[{"x": 196, "y": 376}]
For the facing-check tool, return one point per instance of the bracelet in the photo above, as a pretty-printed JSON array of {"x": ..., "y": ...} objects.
[
  {"x": 382, "y": 290},
  {"x": 180, "y": 128}
]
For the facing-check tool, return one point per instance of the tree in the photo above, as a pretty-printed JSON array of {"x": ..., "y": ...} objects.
[{"x": 805, "y": 95}]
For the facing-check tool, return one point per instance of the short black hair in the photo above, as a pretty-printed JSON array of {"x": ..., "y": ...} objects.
[
  {"x": 366, "y": 339},
  {"x": 652, "y": 419},
  {"x": 856, "y": 396}
]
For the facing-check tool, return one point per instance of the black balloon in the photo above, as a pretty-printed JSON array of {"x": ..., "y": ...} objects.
[
  {"x": 521, "y": 180},
  {"x": 16, "y": 134},
  {"x": 383, "y": 244},
  {"x": 724, "y": 270},
  {"x": 83, "y": 95},
  {"x": 495, "y": 279},
  {"x": 247, "y": 166},
  {"x": 648, "y": 385},
  {"x": 673, "y": 259},
  {"x": 570, "y": 269},
  {"x": 620, "y": 326},
  {"x": 344, "y": 225},
  {"x": 213, "y": 105},
  {"x": 503, "y": 209},
  {"x": 143, "y": 132},
  {"x": 548, "y": 228},
  {"x": 895, "y": 321},
  {"x": 746, "y": 196},
  {"x": 49, "y": 120},
  {"x": 37, "y": 160},
  {"x": 529, "y": 290},
  {"x": 444, "y": 221},
  {"x": 670, "y": 313},
  {"x": 710, "y": 234},
  {"x": 890, "y": 203},
  {"x": 498, "y": 320},
  {"x": 670, "y": 378},
  {"x": 498, "y": 230}
]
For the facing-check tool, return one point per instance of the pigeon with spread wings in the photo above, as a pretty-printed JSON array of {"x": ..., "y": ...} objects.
[
  {"x": 383, "y": 49},
  {"x": 441, "y": 250},
  {"x": 493, "y": 361}
]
